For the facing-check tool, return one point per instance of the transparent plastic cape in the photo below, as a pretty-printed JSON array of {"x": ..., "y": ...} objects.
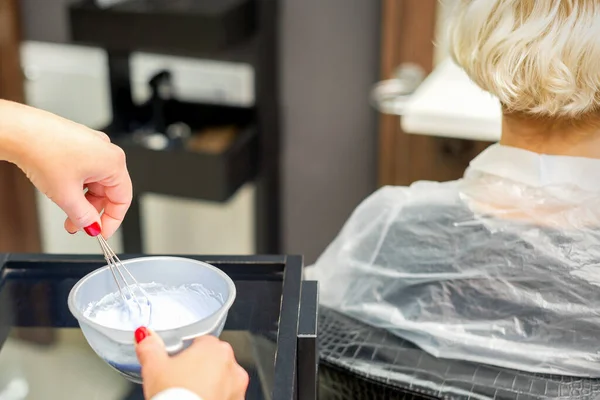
[{"x": 483, "y": 269}]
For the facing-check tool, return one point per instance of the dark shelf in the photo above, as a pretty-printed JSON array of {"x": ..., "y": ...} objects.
[
  {"x": 181, "y": 172},
  {"x": 179, "y": 26},
  {"x": 194, "y": 175}
]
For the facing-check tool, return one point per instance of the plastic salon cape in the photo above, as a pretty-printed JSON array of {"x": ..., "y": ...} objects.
[{"x": 501, "y": 267}]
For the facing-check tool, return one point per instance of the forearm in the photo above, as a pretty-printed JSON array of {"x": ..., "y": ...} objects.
[{"x": 13, "y": 131}]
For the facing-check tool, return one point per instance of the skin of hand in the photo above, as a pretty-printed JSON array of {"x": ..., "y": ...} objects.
[
  {"x": 207, "y": 368},
  {"x": 62, "y": 159}
]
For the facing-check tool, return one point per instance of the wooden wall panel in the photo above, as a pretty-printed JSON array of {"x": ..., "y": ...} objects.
[
  {"x": 408, "y": 30},
  {"x": 19, "y": 229}
]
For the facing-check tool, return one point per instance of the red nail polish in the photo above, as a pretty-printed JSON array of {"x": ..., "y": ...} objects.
[
  {"x": 93, "y": 230},
  {"x": 141, "y": 333}
]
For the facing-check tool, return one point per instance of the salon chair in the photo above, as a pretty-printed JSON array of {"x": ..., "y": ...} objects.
[{"x": 360, "y": 362}]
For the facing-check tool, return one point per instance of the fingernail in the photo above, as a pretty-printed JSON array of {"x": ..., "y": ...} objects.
[
  {"x": 141, "y": 333},
  {"x": 72, "y": 233},
  {"x": 93, "y": 230}
]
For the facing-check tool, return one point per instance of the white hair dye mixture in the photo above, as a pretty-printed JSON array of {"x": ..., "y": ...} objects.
[{"x": 172, "y": 307}]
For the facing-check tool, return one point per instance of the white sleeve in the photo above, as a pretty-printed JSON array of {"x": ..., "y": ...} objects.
[{"x": 176, "y": 394}]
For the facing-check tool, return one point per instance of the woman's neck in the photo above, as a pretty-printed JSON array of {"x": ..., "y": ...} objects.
[{"x": 579, "y": 138}]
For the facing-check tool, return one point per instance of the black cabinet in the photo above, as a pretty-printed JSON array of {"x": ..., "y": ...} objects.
[
  {"x": 237, "y": 30},
  {"x": 193, "y": 173},
  {"x": 178, "y": 25}
]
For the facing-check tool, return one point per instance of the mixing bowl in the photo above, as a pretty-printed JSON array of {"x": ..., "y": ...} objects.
[{"x": 116, "y": 346}]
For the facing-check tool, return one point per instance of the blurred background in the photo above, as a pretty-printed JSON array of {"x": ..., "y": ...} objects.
[
  {"x": 250, "y": 126},
  {"x": 322, "y": 133},
  {"x": 299, "y": 74}
]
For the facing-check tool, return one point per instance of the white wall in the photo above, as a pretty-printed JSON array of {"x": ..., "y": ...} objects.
[
  {"x": 71, "y": 81},
  {"x": 444, "y": 12}
]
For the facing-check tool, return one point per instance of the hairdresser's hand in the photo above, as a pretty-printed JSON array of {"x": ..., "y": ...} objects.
[
  {"x": 62, "y": 158},
  {"x": 207, "y": 368}
]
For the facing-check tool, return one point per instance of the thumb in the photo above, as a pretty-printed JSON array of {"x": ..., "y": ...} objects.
[
  {"x": 150, "y": 348},
  {"x": 80, "y": 212}
]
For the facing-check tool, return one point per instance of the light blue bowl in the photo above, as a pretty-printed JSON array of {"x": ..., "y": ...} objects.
[{"x": 117, "y": 347}]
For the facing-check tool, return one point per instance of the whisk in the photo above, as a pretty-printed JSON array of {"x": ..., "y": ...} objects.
[{"x": 127, "y": 285}]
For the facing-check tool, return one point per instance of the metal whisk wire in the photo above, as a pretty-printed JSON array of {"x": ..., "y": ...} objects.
[{"x": 119, "y": 270}]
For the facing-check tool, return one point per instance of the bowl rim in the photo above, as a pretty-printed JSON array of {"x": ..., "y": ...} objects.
[{"x": 184, "y": 332}]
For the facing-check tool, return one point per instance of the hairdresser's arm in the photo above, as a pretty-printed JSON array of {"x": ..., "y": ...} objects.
[
  {"x": 12, "y": 144},
  {"x": 62, "y": 158}
]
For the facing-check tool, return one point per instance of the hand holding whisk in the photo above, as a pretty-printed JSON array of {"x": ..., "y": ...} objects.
[{"x": 133, "y": 295}]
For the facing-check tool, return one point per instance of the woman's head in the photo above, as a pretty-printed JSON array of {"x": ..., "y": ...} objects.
[{"x": 541, "y": 58}]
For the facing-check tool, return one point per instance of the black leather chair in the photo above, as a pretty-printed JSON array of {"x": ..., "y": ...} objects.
[{"x": 360, "y": 362}]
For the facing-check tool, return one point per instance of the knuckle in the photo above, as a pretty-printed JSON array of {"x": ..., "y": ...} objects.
[
  {"x": 244, "y": 378},
  {"x": 77, "y": 217},
  {"x": 104, "y": 136},
  {"x": 119, "y": 155},
  {"x": 227, "y": 350},
  {"x": 129, "y": 201},
  {"x": 83, "y": 218}
]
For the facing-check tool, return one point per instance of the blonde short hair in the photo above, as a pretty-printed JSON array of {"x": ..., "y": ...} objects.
[{"x": 539, "y": 57}]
